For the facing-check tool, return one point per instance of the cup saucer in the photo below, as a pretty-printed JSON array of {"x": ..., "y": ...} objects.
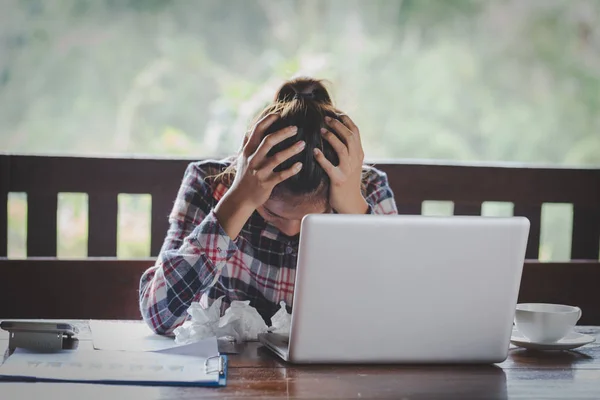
[{"x": 571, "y": 341}]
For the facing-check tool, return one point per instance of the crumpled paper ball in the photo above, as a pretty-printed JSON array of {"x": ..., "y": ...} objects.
[
  {"x": 241, "y": 322},
  {"x": 281, "y": 321},
  {"x": 245, "y": 318},
  {"x": 204, "y": 323}
]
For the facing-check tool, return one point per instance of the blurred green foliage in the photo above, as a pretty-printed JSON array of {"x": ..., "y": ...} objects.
[{"x": 468, "y": 80}]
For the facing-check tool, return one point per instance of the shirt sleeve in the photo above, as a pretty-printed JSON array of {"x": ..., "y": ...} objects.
[
  {"x": 194, "y": 251},
  {"x": 377, "y": 192}
]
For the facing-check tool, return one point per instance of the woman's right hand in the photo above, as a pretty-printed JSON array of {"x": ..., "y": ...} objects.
[{"x": 255, "y": 177}]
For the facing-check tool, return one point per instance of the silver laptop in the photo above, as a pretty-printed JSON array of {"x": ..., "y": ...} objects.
[{"x": 404, "y": 289}]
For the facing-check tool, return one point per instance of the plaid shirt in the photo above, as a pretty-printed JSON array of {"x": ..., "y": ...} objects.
[{"x": 200, "y": 262}]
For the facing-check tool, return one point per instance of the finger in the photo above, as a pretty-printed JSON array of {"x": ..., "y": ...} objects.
[
  {"x": 339, "y": 147},
  {"x": 281, "y": 176},
  {"x": 272, "y": 162},
  {"x": 349, "y": 124},
  {"x": 341, "y": 129},
  {"x": 330, "y": 169},
  {"x": 245, "y": 140},
  {"x": 355, "y": 150},
  {"x": 258, "y": 131},
  {"x": 271, "y": 141}
]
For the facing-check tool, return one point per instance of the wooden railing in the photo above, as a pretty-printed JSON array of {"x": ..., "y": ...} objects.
[{"x": 103, "y": 179}]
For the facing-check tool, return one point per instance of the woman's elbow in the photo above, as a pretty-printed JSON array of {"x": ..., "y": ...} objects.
[{"x": 152, "y": 318}]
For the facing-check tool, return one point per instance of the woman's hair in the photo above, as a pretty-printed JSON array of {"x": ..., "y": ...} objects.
[{"x": 304, "y": 103}]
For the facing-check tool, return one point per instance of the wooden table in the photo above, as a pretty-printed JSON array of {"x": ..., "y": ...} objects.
[{"x": 255, "y": 373}]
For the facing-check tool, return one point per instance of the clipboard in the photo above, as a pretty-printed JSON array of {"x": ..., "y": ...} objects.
[
  {"x": 116, "y": 368},
  {"x": 221, "y": 368}
]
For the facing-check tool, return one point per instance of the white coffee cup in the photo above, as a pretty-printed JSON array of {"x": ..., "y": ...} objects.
[{"x": 546, "y": 323}]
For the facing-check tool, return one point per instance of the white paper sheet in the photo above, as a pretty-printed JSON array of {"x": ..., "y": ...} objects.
[
  {"x": 127, "y": 336},
  {"x": 109, "y": 366},
  {"x": 137, "y": 336},
  {"x": 205, "y": 348}
]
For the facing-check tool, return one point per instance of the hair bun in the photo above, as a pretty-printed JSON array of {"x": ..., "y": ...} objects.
[
  {"x": 306, "y": 96},
  {"x": 303, "y": 89}
]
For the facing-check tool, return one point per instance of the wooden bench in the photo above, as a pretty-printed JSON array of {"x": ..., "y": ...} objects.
[{"x": 102, "y": 286}]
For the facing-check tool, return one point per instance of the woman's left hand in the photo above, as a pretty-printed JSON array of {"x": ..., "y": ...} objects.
[{"x": 345, "y": 192}]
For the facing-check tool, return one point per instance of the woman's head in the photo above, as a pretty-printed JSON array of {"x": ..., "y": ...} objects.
[{"x": 303, "y": 103}]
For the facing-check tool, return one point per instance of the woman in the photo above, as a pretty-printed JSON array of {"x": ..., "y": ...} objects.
[{"x": 235, "y": 224}]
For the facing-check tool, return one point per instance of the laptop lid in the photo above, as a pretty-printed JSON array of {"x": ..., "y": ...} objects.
[{"x": 412, "y": 289}]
